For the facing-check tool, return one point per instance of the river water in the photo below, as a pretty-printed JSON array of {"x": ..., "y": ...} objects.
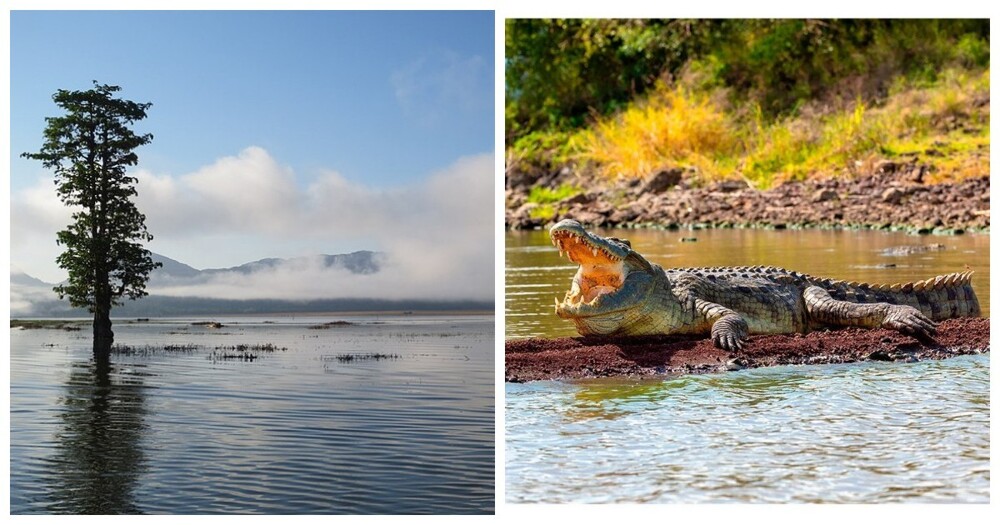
[
  {"x": 854, "y": 433},
  {"x": 300, "y": 429}
]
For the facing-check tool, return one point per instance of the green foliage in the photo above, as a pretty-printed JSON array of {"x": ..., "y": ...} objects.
[
  {"x": 89, "y": 149},
  {"x": 547, "y": 200},
  {"x": 549, "y": 148},
  {"x": 973, "y": 51},
  {"x": 561, "y": 74},
  {"x": 559, "y": 71},
  {"x": 544, "y": 212},
  {"x": 543, "y": 195}
]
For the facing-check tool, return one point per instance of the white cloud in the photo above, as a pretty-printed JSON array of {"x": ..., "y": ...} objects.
[
  {"x": 36, "y": 214},
  {"x": 250, "y": 192},
  {"x": 437, "y": 234}
]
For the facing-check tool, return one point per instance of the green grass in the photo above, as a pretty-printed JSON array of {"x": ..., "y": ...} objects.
[
  {"x": 942, "y": 122},
  {"x": 548, "y": 198},
  {"x": 540, "y": 195}
]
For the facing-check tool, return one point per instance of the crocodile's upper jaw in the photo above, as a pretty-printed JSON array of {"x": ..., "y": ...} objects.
[
  {"x": 600, "y": 271},
  {"x": 605, "y": 264}
]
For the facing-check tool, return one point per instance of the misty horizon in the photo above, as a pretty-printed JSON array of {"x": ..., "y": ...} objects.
[{"x": 320, "y": 279}]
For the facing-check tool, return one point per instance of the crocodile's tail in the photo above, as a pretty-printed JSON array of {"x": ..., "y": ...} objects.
[{"x": 939, "y": 298}]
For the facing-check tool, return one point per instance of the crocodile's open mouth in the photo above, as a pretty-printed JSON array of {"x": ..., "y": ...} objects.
[{"x": 601, "y": 270}]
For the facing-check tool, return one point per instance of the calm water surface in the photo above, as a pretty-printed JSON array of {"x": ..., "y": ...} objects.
[
  {"x": 859, "y": 433},
  {"x": 535, "y": 273},
  {"x": 294, "y": 431},
  {"x": 856, "y": 433}
]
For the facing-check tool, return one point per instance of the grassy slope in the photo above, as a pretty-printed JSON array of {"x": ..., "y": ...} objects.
[{"x": 944, "y": 124}]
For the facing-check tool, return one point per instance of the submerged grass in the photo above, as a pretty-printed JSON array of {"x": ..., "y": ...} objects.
[
  {"x": 265, "y": 347},
  {"x": 52, "y": 324},
  {"x": 150, "y": 350},
  {"x": 240, "y": 352},
  {"x": 944, "y": 124},
  {"x": 376, "y": 356},
  {"x": 327, "y": 326}
]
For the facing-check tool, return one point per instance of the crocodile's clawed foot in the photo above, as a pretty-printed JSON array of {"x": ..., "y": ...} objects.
[
  {"x": 908, "y": 320},
  {"x": 730, "y": 333}
]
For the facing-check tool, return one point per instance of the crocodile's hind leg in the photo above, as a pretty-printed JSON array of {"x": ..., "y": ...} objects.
[
  {"x": 824, "y": 309},
  {"x": 729, "y": 329}
]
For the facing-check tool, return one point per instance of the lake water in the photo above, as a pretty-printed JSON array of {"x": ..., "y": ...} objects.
[
  {"x": 315, "y": 426},
  {"x": 854, "y": 433},
  {"x": 535, "y": 274}
]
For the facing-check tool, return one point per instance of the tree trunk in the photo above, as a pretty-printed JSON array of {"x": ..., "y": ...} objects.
[{"x": 103, "y": 336}]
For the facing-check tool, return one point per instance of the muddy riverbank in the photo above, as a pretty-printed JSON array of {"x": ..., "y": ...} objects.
[
  {"x": 895, "y": 195},
  {"x": 537, "y": 359}
]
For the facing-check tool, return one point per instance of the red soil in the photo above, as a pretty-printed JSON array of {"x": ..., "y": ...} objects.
[{"x": 586, "y": 357}]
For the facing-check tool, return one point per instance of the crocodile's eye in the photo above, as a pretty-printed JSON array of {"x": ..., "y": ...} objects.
[{"x": 620, "y": 241}]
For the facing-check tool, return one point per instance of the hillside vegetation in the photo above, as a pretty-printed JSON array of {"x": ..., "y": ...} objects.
[{"x": 760, "y": 100}]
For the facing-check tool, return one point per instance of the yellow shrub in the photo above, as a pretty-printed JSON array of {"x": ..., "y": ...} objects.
[
  {"x": 679, "y": 127},
  {"x": 672, "y": 127}
]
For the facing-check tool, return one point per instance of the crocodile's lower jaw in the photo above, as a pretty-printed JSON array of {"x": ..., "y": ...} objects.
[
  {"x": 576, "y": 298},
  {"x": 599, "y": 325}
]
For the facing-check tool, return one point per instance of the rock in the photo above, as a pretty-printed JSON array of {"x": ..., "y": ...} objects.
[
  {"x": 514, "y": 200},
  {"x": 886, "y": 167},
  {"x": 526, "y": 208},
  {"x": 517, "y": 178},
  {"x": 589, "y": 217},
  {"x": 876, "y": 201},
  {"x": 736, "y": 364},
  {"x": 893, "y": 195},
  {"x": 662, "y": 180},
  {"x": 603, "y": 208},
  {"x": 824, "y": 195},
  {"x": 730, "y": 186},
  {"x": 879, "y": 355},
  {"x": 580, "y": 198},
  {"x": 623, "y": 215}
]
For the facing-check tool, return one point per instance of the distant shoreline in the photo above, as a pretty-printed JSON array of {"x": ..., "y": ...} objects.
[
  {"x": 358, "y": 313},
  {"x": 282, "y": 315}
]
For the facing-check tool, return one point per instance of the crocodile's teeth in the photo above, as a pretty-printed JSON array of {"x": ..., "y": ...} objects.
[
  {"x": 560, "y": 252},
  {"x": 594, "y": 251}
]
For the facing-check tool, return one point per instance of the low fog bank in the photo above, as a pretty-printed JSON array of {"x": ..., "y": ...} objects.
[{"x": 434, "y": 238}]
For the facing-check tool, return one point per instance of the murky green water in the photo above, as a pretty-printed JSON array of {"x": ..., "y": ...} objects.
[
  {"x": 856, "y": 433},
  {"x": 535, "y": 273},
  {"x": 295, "y": 431}
]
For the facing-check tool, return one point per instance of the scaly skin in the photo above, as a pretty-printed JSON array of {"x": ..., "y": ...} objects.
[{"x": 617, "y": 291}]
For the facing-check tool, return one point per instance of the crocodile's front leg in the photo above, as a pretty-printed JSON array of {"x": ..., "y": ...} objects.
[
  {"x": 729, "y": 329},
  {"x": 825, "y": 309}
]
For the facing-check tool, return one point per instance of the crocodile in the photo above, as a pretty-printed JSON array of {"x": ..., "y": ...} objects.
[{"x": 616, "y": 291}]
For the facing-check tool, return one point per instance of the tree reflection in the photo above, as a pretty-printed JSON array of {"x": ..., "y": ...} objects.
[{"x": 98, "y": 457}]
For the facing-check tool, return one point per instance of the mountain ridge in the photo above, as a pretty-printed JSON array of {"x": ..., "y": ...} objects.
[{"x": 35, "y": 297}]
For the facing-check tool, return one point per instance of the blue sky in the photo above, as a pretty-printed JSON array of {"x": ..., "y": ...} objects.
[
  {"x": 381, "y": 97},
  {"x": 276, "y": 133}
]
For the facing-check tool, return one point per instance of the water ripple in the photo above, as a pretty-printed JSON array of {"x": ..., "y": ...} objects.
[
  {"x": 859, "y": 433},
  {"x": 289, "y": 433}
]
